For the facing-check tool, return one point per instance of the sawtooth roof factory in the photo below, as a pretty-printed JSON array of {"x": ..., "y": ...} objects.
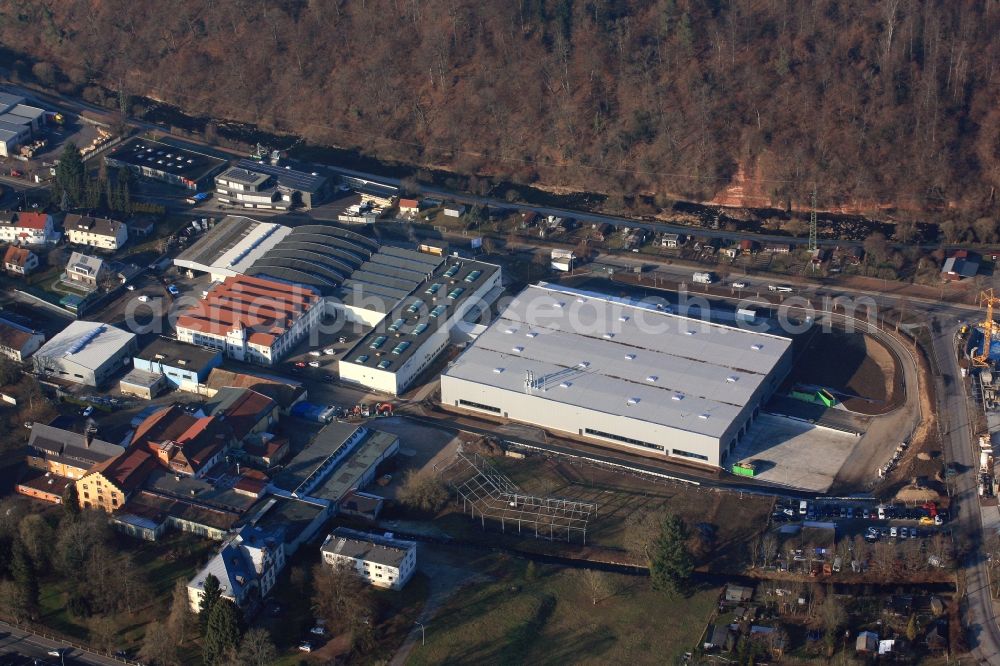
[
  {"x": 617, "y": 373},
  {"x": 422, "y": 298}
]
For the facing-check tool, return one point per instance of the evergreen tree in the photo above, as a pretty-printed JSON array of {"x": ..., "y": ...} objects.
[
  {"x": 23, "y": 573},
  {"x": 222, "y": 635},
  {"x": 212, "y": 595},
  {"x": 671, "y": 564},
  {"x": 70, "y": 174},
  {"x": 71, "y": 501},
  {"x": 911, "y": 629}
]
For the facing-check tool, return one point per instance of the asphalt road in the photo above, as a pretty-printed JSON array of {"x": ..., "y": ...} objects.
[
  {"x": 984, "y": 635},
  {"x": 15, "y": 641}
]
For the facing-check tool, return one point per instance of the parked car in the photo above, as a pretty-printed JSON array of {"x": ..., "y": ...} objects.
[
  {"x": 313, "y": 364},
  {"x": 174, "y": 291},
  {"x": 87, "y": 411},
  {"x": 927, "y": 520},
  {"x": 305, "y": 646},
  {"x": 330, "y": 351},
  {"x": 318, "y": 630},
  {"x": 893, "y": 532},
  {"x": 144, "y": 299},
  {"x": 131, "y": 287},
  {"x": 315, "y": 352},
  {"x": 300, "y": 364}
]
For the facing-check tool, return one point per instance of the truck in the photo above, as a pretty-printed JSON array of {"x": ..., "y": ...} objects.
[
  {"x": 198, "y": 198},
  {"x": 703, "y": 278}
]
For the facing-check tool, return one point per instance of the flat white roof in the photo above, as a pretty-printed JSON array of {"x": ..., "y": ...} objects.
[
  {"x": 612, "y": 356},
  {"x": 87, "y": 343}
]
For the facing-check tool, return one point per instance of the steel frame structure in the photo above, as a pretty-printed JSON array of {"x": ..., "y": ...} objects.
[{"x": 490, "y": 494}]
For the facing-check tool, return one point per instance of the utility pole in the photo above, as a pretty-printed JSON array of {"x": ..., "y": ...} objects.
[{"x": 813, "y": 240}]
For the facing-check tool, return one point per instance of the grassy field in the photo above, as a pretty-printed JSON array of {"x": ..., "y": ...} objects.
[{"x": 551, "y": 619}]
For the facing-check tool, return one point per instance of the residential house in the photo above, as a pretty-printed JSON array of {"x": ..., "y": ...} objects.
[
  {"x": 85, "y": 272},
  {"x": 959, "y": 265},
  {"x": 246, "y": 567},
  {"x": 731, "y": 251},
  {"x": 98, "y": 232},
  {"x": 18, "y": 342},
  {"x": 184, "y": 443},
  {"x": 109, "y": 484},
  {"x": 747, "y": 246},
  {"x": 27, "y": 228},
  {"x": 409, "y": 207},
  {"x": 379, "y": 560},
  {"x": 19, "y": 260},
  {"x": 672, "y": 241}
]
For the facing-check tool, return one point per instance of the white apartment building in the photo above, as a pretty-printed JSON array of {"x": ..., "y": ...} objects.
[
  {"x": 382, "y": 561},
  {"x": 98, "y": 232},
  {"x": 27, "y": 228}
]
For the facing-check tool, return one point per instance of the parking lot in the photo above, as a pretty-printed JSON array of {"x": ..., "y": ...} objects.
[{"x": 871, "y": 521}]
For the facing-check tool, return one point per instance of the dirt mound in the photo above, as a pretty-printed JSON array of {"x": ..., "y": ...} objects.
[{"x": 860, "y": 371}]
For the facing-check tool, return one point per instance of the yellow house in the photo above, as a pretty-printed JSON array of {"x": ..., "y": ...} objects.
[{"x": 108, "y": 484}]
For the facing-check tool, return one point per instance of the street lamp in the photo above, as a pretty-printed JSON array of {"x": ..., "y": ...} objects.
[{"x": 423, "y": 636}]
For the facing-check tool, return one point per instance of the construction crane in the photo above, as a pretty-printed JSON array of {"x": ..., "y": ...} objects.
[
  {"x": 987, "y": 299},
  {"x": 813, "y": 226}
]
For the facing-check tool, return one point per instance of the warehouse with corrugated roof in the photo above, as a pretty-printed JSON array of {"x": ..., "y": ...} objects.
[{"x": 619, "y": 374}]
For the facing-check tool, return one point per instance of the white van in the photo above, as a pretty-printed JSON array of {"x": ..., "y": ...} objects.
[
  {"x": 803, "y": 507},
  {"x": 881, "y": 513}
]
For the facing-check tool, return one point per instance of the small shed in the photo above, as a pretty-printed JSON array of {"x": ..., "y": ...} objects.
[
  {"x": 142, "y": 384},
  {"x": 738, "y": 594},
  {"x": 867, "y": 642},
  {"x": 718, "y": 637},
  {"x": 454, "y": 210}
]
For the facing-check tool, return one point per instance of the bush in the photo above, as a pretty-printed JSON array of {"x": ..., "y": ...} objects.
[{"x": 423, "y": 491}]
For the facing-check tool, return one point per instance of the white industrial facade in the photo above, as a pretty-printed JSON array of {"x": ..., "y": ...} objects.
[
  {"x": 409, "y": 338},
  {"x": 86, "y": 352},
  {"x": 614, "y": 372}
]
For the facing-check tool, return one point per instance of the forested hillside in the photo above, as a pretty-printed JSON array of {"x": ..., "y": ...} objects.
[{"x": 881, "y": 102}]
